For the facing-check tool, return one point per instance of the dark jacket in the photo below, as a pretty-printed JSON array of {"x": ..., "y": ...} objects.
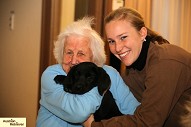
[{"x": 158, "y": 79}]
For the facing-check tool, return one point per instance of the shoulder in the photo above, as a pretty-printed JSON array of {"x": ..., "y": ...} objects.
[
  {"x": 168, "y": 52},
  {"x": 110, "y": 70},
  {"x": 56, "y": 68}
]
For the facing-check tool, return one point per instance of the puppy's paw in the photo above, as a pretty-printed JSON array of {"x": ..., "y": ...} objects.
[{"x": 59, "y": 79}]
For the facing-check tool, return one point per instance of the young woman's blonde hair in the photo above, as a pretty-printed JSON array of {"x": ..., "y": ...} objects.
[
  {"x": 82, "y": 28},
  {"x": 136, "y": 20}
]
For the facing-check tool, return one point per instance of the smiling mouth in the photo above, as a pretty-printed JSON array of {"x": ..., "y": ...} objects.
[{"x": 123, "y": 54}]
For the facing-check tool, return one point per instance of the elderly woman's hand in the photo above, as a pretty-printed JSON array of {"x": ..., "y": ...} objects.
[{"x": 89, "y": 121}]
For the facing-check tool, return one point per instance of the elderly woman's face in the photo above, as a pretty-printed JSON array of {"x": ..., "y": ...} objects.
[{"x": 76, "y": 50}]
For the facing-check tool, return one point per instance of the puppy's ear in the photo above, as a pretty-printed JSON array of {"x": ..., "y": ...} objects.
[
  {"x": 59, "y": 79},
  {"x": 104, "y": 81}
]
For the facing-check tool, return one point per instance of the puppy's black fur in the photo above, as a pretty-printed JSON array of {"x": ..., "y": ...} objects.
[{"x": 85, "y": 76}]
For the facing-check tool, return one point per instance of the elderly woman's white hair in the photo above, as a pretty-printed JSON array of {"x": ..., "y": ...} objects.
[{"x": 83, "y": 28}]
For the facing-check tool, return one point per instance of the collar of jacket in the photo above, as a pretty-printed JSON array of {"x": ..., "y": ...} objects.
[{"x": 139, "y": 64}]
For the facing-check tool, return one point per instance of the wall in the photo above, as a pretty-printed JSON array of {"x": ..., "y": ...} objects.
[
  {"x": 19, "y": 59},
  {"x": 67, "y": 13},
  {"x": 171, "y": 18}
]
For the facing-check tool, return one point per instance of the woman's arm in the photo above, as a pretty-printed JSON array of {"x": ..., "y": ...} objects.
[
  {"x": 125, "y": 100},
  {"x": 163, "y": 89},
  {"x": 69, "y": 107}
]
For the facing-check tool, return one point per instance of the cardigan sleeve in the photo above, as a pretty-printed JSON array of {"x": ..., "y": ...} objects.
[
  {"x": 124, "y": 98},
  {"x": 69, "y": 107}
]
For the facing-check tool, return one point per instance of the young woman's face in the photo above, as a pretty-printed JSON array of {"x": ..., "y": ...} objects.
[
  {"x": 125, "y": 42},
  {"x": 76, "y": 50}
]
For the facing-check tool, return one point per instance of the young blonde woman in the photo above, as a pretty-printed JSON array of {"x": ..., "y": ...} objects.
[{"x": 158, "y": 73}]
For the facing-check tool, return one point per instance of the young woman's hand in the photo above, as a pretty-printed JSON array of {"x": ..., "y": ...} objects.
[{"x": 89, "y": 121}]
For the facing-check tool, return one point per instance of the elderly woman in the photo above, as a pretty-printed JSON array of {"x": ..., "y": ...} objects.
[{"x": 78, "y": 43}]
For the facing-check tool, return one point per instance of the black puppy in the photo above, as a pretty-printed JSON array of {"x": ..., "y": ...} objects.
[{"x": 85, "y": 76}]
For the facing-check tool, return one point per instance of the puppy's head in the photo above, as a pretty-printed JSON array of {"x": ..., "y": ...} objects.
[
  {"x": 85, "y": 76},
  {"x": 81, "y": 78}
]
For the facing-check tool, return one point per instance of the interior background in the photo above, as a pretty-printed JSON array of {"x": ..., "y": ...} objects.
[{"x": 26, "y": 44}]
